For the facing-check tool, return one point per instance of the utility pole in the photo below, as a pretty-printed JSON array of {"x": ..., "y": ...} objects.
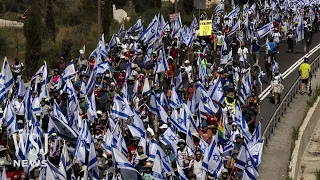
[
  {"x": 175, "y": 6},
  {"x": 99, "y": 19}
]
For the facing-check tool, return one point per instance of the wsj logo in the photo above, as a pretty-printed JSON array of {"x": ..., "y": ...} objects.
[{"x": 31, "y": 155}]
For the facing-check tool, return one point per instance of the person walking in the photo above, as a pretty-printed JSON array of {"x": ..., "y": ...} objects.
[{"x": 305, "y": 74}]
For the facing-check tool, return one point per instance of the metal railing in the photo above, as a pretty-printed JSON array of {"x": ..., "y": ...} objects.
[{"x": 285, "y": 103}]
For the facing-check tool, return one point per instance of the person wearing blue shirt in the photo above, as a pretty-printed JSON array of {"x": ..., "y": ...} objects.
[{"x": 255, "y": 49}]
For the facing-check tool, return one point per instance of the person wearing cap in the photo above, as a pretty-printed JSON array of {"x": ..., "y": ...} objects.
[
  {"x": 142, "y": 162},
  {"x": 188, "y": 69},
  {"x": 184, "y": 155},
  {"x": 224, "y": 174},
  {"x": 147, "y": 173},
  {"x": 18, "y": 106},
  {"x": 305, "y": 74}
]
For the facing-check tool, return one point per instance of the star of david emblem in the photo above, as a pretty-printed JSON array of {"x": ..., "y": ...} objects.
[
  {"x": 172, "y": 138},
  {"x": 220, "y": 89},
  {"x": 152, "y": 31},
  {"x": 180, "y": 120},
  {"x": 123, "y": 107},
  {"x": 159, "y": 108},
  {"x": 159, "y": 60},
  {"x": 205, "y": 100},
  {"x": 249, "y": 163},
  {"x": 216, "y": 157}
]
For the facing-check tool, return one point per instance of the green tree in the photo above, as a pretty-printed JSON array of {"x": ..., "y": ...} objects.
[
  {"x": 50, "y": 21},
  {"x": 142, "y": 5},
  {"x": 66, "y": 49},
  {"x": 188, "y": 5},
  {"x": 157, "y": 3},
  {"x": 32, "y": 32},
  {"x": 107, "y": 16}
]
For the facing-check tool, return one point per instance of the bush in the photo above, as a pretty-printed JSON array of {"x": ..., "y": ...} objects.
[{"x": 3, "y": 42}]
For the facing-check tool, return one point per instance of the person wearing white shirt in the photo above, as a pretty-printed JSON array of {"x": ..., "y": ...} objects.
[
  {"x": 243, "y": 54},
  {"x": 19, "y": 108},
  {"x": 276, "y": 38},
  {"x": 196, "y": 165}
]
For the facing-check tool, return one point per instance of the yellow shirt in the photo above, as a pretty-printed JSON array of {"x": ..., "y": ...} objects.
[{"x": 305, "y": 69}]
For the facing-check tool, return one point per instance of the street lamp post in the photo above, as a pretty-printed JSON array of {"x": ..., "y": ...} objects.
[{"x": 99, "y": 19}]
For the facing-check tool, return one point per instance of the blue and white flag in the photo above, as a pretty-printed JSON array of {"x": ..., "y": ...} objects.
[
  {"x": 91, "y": 108},
  {"x": 175, "y": 100},
  {"x": 126, "y": 169},
  {"x": 169, "y": 137},
  {"x": 180, "y": 122},
  {"x": 53, "y": 173},
  {"x": 217, "y": 93},
  {"x": 64, "y": 161},
  {"x": 219, "y": 8},
  {"x": 162, "y": 63},
  {"x": 137, "y": 27},
  {"x": 300, "y": 30},
  {"x": 93, "y": 170},
  {"x": 176, "y": 25},
  {"x": 203, "y": 146},
  {"x": 186, "y": 36},
  {"x": 212, "y": 161},
  {"x": 157, "y": 169},
  {"x": 245, "y": 90},
  {"x": 241, "y": 122},
  {"x": 161, "y": 112},
  {"x": 151, "y": 31},
  {"x": 69, "y": 72},
  {"x": 146, "y": 90},
  {"x": 246, "y": 163},
  {"x": 44, "y": 90},
  {"x": 178, "y": 80},
  {"x": 260, "y": 78},
  {"x": 6, "y": 79},
  {"x": 189, "y": 140},
  {"x": 194, "y": 24},
  {"x": 266, "y": 29},
  {"x": 90, "y": 85},
  {"x": 121, "y": 108},
  {"x": 58, "y": 113},
  {"x": 155, "y": 149},
  {"x": 234, "y": 28},
  {"x": 64, "y": 130},
  {"x": 181, "y": 173},
  {"x": 121, "y": 30},
  {"x": 10, "y": 117},
  {"x": 21, "y": 91}
]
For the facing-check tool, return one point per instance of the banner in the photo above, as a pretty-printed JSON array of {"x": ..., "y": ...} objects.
[{"x": 205, "y": 28}]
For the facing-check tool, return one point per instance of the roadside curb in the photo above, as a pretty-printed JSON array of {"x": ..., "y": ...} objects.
[{"x": 305, "y": 132}]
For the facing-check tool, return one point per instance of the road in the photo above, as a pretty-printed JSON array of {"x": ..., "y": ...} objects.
[{"x": 285, "y": 60}]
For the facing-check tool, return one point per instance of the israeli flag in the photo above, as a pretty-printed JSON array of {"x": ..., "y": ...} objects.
[
  {"x": 137, "y": 27},
  {"x": 169, "y": 137},
  {"x": 212, "y": 161},
  {"x": 266, "y": 29},
  {"x": 21, "y": 91},
  {"x": 246, "y": 163},
  {"x": 241, "y": 122},
  {"x": 176, "y": 26},
  {"x": 157, "y": 169},
  {"x": 155, "y": 149},
  {"x": 6, "y": 79},
  {"x": 121, "y": 108},
  {"x": 91, "y": 110},
  {"x": 56, "y": 112},
  {"x": 300, "y": 30},
  {"x": 202, "y": 74},
  {"x": 10, "y": 118},
  {"x": 245, "y": 90},
  {"x": 219, "y": 8},
  {"x": 162, "y": 63},
  {"x": 69, "y": 72},
  {"x": 175, "y": 100},
  {"x": 146, "y": 87},
  {"x": 178, "y": 121},
  {"x": 93, "y": 163},
  {"x": 64, "y": 159},
  {"x": 217, "y": 93},
  {"x": 53, "y": 173},
  {"x": 234, "y": 28},
  {"x": 161, "y": 112},
  {"x": 151, "y": 31},
  {"x": 178, "y": 80},
  {"x": 90, "y": 85},
  {"x": 126, "y": 169},
  {"x": 194, "y": 24}
]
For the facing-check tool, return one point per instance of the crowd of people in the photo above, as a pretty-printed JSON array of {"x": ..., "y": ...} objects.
[{"x": 159, "y": 103}]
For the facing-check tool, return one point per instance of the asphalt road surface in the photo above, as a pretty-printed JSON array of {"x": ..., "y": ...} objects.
[{"x": 285, "y": 60}]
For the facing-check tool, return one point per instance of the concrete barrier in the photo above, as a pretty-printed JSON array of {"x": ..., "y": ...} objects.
[
  {"x": 6, "y": 23},
  {"x": 305, "y": 133}
]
